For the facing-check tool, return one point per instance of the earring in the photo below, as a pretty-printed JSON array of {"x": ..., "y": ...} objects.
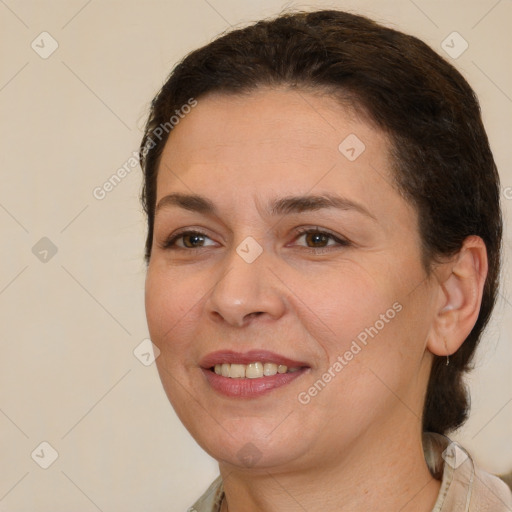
[{"x": 447, "y": 355}]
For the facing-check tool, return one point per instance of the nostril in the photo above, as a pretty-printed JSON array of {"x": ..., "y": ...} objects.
[{"x": 257, "y": 313}]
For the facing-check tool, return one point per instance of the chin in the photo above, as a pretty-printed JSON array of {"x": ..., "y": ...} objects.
[{"x": 250, "y": 443}]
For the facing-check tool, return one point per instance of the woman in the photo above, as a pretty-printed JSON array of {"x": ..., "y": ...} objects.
[{"x": 323, "y": 254}]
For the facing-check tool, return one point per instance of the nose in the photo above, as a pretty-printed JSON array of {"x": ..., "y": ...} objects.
[{"x": 246, "y": 291}]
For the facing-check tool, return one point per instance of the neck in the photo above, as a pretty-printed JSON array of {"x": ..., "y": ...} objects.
[{"x": 377, "y": 472}]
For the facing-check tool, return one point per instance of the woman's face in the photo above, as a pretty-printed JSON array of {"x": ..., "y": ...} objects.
[{"x": 347, "y": 302}]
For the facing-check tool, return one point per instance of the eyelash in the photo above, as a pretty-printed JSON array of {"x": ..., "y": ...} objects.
[{"x": 170, "y": 243}]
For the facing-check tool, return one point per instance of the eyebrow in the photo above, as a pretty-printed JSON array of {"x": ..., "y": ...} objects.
[{"x": 281, "y": 206}]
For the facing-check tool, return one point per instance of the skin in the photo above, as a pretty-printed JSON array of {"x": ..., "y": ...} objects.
[{"x": 357, "y": 444}]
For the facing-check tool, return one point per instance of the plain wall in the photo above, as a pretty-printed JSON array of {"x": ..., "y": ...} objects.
[{"x": 70, "y": 324}]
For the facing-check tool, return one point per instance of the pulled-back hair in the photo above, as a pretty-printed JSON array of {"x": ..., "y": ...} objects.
[{"x": 441, "y": 157}]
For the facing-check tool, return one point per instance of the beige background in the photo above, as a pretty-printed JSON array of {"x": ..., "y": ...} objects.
[{"x": 70, "y": 324}]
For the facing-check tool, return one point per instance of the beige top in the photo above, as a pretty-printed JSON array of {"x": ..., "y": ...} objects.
[{"x": 464, "y": 487}]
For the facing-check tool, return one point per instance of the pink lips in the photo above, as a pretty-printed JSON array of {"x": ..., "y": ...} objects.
[{"x": 249, "y": 388}]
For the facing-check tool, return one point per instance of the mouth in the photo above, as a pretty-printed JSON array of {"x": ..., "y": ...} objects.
[{"x": 250, "y": 374}]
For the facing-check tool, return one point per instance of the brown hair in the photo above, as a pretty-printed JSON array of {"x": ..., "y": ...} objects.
[{"x": 442, "y": 160}]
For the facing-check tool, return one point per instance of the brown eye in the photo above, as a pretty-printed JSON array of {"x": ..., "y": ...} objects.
[
  {"x": 193, "y": 240},
  {"x": 317, "y": 239},
  {"x": 187, "y": 240}
]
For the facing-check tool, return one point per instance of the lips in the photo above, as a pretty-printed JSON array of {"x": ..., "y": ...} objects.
[{"x": 238, "y": 386}]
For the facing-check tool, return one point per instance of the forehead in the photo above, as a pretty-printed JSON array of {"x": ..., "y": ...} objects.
[{"x": 271, "y": 140}]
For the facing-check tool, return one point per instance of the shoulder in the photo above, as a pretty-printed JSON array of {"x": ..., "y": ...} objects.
[{"x": 464, "y": 486}]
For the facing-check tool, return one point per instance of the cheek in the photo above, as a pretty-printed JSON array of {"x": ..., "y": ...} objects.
[
  {"x": 169, "y": 302},
  {"x": 366, "y": 317},
  {"x": 348, "y": 301}
]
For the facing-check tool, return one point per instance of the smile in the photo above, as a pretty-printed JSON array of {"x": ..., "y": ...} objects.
[{"x": 251, "y": 374}]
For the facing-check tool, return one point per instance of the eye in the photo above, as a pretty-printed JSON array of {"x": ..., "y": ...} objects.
[
  {"x": 315, "y": 238},
  {"x": 187, "y": 240}
]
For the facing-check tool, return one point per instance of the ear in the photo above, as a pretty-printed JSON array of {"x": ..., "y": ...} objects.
[{"x": 460, "y": 288}]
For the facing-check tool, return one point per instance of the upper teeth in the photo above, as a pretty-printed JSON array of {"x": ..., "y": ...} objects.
[{"x": 252, "y": 370}]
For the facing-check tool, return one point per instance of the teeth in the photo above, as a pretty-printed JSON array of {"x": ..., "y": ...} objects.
[
  {"x": 252, "y": 371},
  {"x": 269, "y": 369},
  {"x": 237, "y": 370}
]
